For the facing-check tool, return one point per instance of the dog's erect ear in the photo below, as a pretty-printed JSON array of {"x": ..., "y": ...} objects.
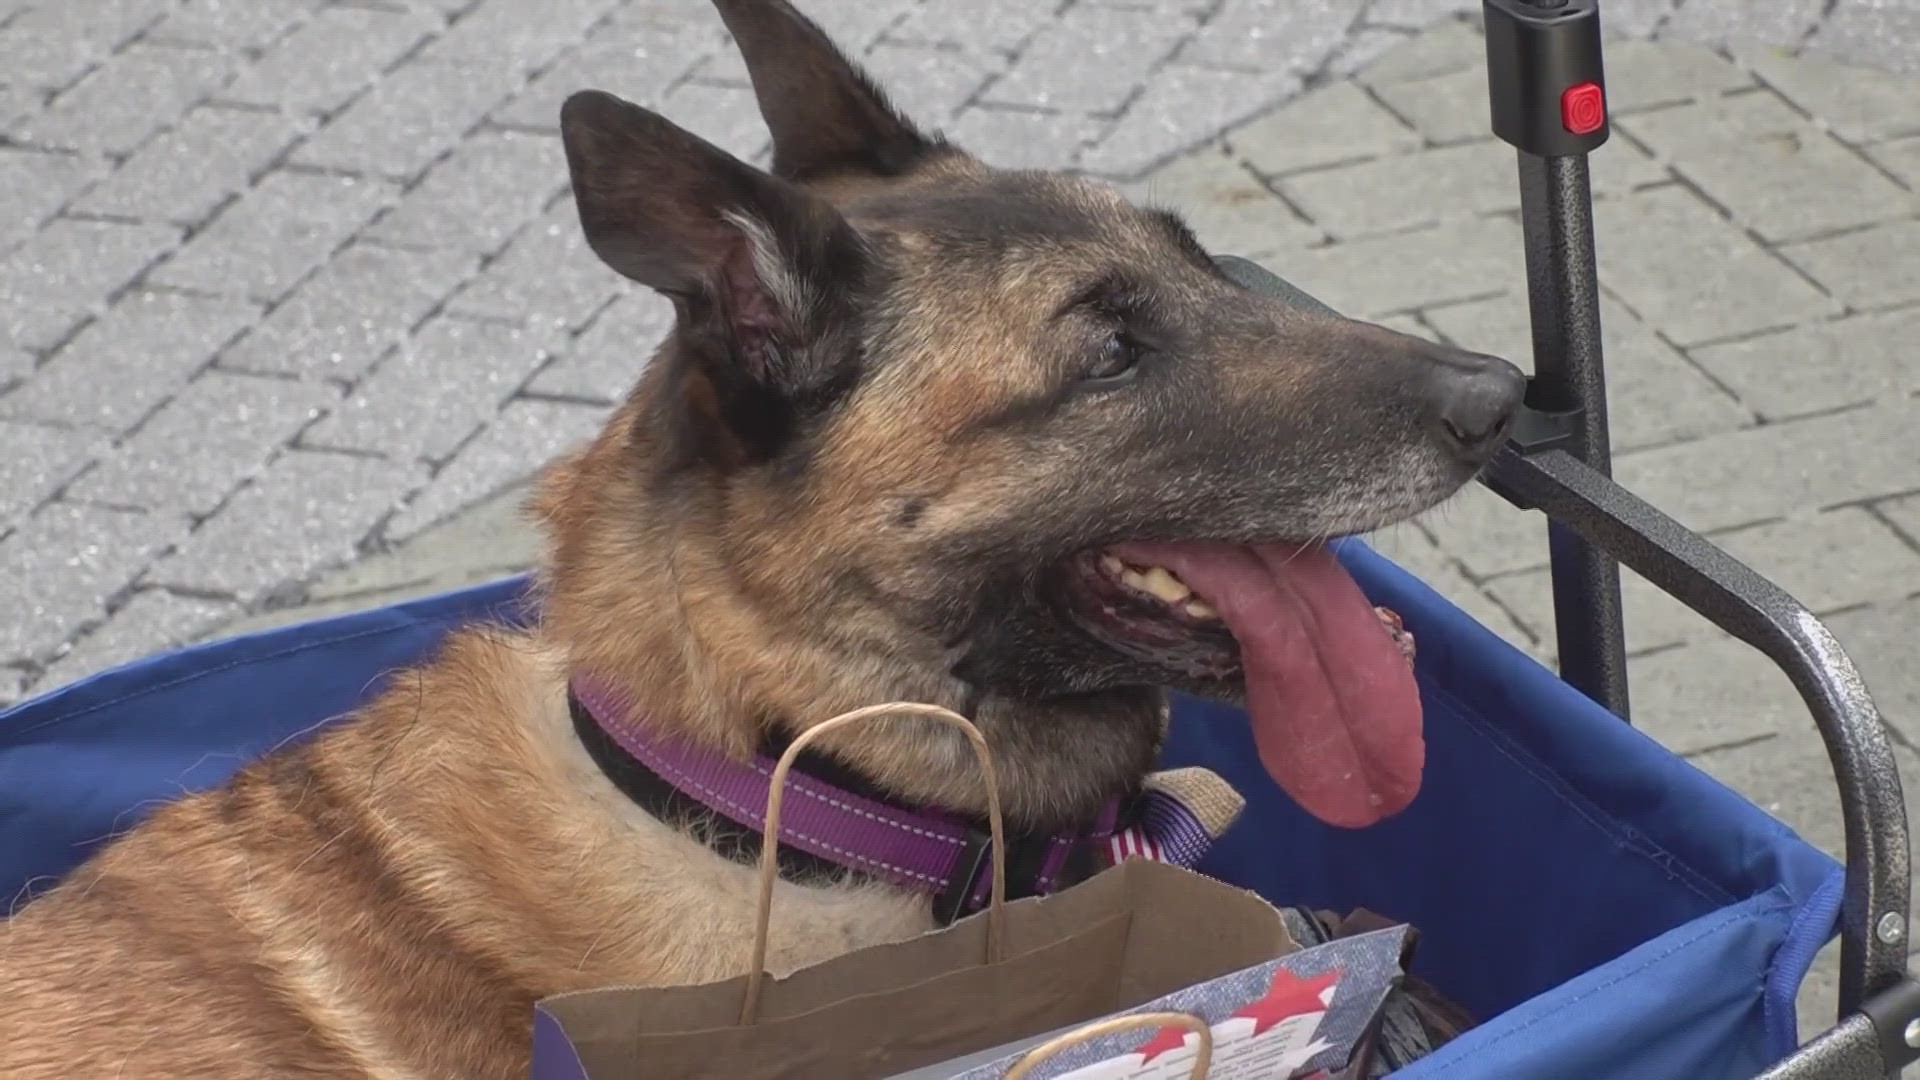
[
  {"x": 827, "y": 117},
  {"x": 759, "y": 269},
  {"x": 674, "y": 212}
]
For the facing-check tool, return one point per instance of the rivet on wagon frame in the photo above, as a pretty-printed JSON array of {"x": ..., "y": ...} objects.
[{"x": 1891, "y": 929}]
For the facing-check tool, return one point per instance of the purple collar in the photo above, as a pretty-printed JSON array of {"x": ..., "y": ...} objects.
[{"x": 923, "y": 850}]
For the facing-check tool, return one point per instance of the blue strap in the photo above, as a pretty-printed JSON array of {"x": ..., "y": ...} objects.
[{"x": 1813, "y": 926}]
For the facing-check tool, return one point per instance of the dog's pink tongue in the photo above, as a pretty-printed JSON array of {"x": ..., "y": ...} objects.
[{"x": 1335, "y": 709}]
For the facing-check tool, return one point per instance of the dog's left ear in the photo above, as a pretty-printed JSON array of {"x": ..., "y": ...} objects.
[
  {"x": 826, "y": 115},
  {"x": 759, "y": 269}
]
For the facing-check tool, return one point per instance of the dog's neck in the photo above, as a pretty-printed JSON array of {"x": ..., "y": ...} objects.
[
  {"x": 718, "y": 661},
  {"x": 838, "y": 825},
  {"x": 1059, "y": 762}
]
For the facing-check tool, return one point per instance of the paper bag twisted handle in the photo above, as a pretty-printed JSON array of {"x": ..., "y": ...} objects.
[
  {"x": 769, "y": 845},
  {"x": 1202, "y": 1058}
]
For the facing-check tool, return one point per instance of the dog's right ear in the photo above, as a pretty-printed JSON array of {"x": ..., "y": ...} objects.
[
  {"x": 826, "y": 115},
  {"x": 758, "y": 268}
]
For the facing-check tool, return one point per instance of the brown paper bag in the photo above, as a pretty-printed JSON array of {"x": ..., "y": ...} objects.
[{"x": 1123, "y": 937}]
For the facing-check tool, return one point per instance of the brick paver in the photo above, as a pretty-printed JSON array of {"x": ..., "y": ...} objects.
[
  {"x": 546, "y": 275},
  {"x": 186, "y": 174},
  {"x": 286, "y": 282},
  {"x": 334, "y": 55},
  {"x": 528, "y": 430},
  {"x": 200, "y": 445},
  {"x": 343, "y": 319},
  {"x": 600, "y": 365},
  {"x": 120, "y": 104},
  {"x": 66, "y": 565},
  {"x": 307, "y": 510},
  {"x": 69, "y": 271},
  {"x": 84, "y": 385},
  {"x": 35, "y": 184},
  {"x": 436, "y": 389}
]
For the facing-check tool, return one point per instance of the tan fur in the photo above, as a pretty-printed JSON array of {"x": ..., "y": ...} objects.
[{"x": 389, "y": 900}]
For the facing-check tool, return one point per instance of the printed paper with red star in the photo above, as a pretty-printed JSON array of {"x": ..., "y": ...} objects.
[{"x": 1279, "y": 1040}]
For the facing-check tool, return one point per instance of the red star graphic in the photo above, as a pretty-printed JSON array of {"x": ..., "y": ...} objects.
[
  {"x": 1168, "y": 1040},
  {"x": 1290, "y": 996}
]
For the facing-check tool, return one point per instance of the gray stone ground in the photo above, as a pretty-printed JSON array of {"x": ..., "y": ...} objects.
[{"x": 294, "y": 299}]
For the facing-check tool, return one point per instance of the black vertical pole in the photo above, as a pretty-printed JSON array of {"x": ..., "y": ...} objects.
[{"x": 1547, "y": 89}]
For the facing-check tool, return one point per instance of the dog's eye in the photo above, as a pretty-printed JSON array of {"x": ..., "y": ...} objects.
[{"x": 1119, "y": 359}]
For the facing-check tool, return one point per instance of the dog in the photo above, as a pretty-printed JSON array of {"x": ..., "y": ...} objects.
[{"x": 925, "y": 430}]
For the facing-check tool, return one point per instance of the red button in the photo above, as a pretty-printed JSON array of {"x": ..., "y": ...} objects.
[{"x": 1583, "y": 108}]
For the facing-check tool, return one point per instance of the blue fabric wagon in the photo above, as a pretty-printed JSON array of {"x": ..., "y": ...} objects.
[
  {"x": 1607, "y": 909},
  {"x": 1615, "y": 912}
]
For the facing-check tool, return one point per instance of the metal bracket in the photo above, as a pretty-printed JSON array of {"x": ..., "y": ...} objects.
[
  {"x": 1536, "y": 430},
  {"x": 1845, "y": 1051},
  {"x": 1895, "y": 1012},
  {"x": 1872, "y": 1044}
]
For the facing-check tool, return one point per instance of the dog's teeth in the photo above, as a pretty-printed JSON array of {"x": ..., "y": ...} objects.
[
  {"x": 1156, "y": 581},
  {"x": 1200, "y": 609},
  {"x": 1112, "y": 565},
  {"x": 1161, "y": 583}
]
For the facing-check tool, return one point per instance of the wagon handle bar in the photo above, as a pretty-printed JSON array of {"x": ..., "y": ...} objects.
[
  {"x": 1546, "y": 97},
  {"x": 1874, "y": 912}
]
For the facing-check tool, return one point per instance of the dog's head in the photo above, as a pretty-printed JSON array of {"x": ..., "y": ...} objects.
[{"x": 997, "y": 440}]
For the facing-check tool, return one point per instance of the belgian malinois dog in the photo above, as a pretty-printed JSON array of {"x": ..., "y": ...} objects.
[{"x": 924, "y": 430}]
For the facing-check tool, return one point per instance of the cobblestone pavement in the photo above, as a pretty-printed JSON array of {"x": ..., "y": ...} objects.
[
  {"x": 289, "y": 288},
  {"x": 286, "y": 282}
]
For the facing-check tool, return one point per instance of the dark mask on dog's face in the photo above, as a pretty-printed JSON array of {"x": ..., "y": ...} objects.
[{"x": 1010, "y": 429}]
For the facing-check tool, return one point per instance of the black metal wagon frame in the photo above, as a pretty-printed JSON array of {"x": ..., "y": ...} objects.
[{"x": 1546, "y": 87}]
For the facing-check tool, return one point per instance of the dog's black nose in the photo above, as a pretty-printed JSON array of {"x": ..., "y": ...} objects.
[{"x": 1479, "y": 396}]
